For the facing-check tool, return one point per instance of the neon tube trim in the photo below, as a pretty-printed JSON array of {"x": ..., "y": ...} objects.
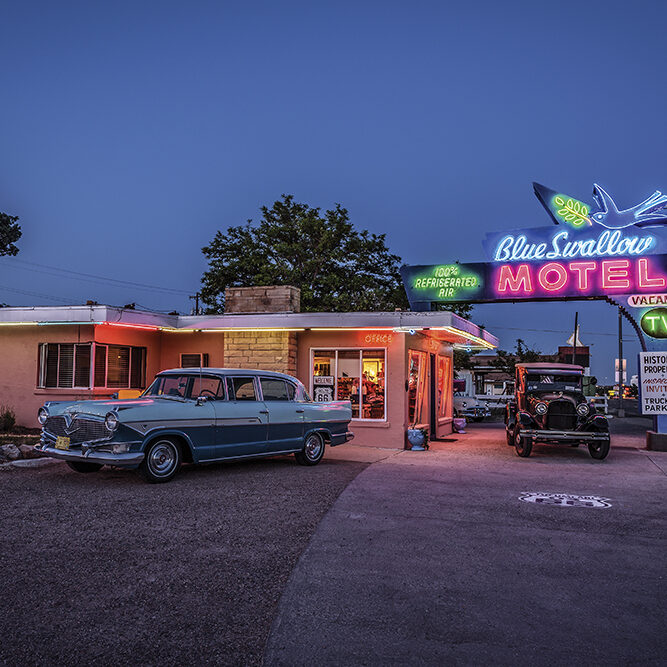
[{"x": 609, "y": 243}]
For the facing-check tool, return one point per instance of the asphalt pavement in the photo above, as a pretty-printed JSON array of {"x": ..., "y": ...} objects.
[
  {"x": 104, "y": 569},
  {"x": 432, "y": 558},
  {"x": 374, "y": 557}
]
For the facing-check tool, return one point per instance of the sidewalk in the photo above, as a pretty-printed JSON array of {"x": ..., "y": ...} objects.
[{"x": 431, "y": 558}]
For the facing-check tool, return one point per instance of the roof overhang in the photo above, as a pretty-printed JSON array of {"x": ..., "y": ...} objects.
[{"x": 441, "y": 325}]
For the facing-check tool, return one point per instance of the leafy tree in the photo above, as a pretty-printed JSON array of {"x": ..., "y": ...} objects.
[
  {"x": 506, "y": 361},
  {"x": 10, "y": 233},
  {"x": 337, "y": 267},
  {"x": 462, "y": 360}
]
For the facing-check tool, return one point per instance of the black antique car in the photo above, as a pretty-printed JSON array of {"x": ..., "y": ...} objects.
[{"x": 549, "y": 406}]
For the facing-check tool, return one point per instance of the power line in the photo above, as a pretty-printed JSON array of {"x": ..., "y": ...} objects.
[
  {"x": 37, "y": 294},
  {"x": 90, "y": 277},
  {"x": 555, "y": 331}
]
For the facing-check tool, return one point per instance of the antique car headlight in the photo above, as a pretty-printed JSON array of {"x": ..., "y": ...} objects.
[
  {"x": 111, "y": 421},
  {"x": 583, "y": 409},
  {"x": 541, "y": 408},
  {"x": 42, "y": 415}
]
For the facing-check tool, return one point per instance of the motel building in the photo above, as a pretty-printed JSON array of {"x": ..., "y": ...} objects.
[{"x": 394, "y": 367}]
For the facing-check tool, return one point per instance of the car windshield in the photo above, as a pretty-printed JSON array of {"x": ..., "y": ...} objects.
[
  {"x": 553, "y": 382},
  {"x": 185, "y": 386}
]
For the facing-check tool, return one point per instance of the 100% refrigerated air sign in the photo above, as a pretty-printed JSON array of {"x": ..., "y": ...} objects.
[{"x": 653, "y": 378}]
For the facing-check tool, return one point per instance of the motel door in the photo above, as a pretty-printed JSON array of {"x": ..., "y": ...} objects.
[{"x": 429, "y": 386}]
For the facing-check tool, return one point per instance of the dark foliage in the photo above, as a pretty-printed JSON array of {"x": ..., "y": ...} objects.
[
  {"x": 10, "y": 233},
  {"x": 337, "y": 267}
]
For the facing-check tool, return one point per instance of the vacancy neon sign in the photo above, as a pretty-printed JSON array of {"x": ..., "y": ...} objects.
[{"x": 579, "y": 278}]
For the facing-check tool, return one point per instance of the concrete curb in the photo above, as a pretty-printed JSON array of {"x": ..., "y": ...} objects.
[{"x": 30, "y": 463}]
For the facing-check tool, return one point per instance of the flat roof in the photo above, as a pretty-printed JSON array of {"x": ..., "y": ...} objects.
[
  {"x": 550, "y": 366},
  {"x": 440, "y": 324}
]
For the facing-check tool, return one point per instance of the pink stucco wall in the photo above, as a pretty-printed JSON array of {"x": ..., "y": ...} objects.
[
  {"x": 391, "y": 431},
  {"x": 19, "y": 367},
  {"x": 175, "y": 344}
]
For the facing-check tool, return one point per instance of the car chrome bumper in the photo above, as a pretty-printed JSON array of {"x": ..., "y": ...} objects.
[
  {"x": 475, "y": 413},
  {"x": 126, "y": 460},
  {"x": 536, "y": 434},
  {"x": 341, "y": 438}
]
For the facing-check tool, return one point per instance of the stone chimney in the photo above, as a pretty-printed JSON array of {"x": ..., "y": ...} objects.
[
  {"x": 272, "y": 299},
  {"x": 262, "y": 350}
]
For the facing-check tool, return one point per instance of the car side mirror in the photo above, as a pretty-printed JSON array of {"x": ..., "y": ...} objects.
[{"x": 200, "y": 400}]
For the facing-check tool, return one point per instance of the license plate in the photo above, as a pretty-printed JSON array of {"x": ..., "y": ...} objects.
[{"x": 62, "y": 442}]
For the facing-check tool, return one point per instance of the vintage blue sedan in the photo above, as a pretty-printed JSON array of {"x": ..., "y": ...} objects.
[{"x": 195, "y": 416}]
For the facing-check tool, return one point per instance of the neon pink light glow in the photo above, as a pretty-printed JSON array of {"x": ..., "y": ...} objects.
[
  {"x": 515, "y": 282},
  {"x": 546, "y": 271},
  {"x": 582, "y": 269},
  {"x": 147, "y": 327},
  {"x": 616, "y": 274},
  {"x": 578, "y": 278},
  {"x": 645, "y": 281}
]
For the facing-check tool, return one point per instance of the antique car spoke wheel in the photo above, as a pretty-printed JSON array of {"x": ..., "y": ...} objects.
[
  {"x": 312, "y": 452},
  {"x": 161, "y": 461},
  {"x": 509, "y": 435},
  {"x": 522, "y": 444},
  {"x": 599, "y": 449}
]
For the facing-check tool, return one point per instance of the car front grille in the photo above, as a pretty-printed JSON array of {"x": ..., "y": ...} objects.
[
  {"x": 80, "y": 428},
  {"x": 561, "y": 416}
]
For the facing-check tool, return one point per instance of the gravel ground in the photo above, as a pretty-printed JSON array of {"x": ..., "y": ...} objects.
[{"x": 106, "y": 569}]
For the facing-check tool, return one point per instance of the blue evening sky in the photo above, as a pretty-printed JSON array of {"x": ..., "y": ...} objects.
[{"x": 132, "y": 131}]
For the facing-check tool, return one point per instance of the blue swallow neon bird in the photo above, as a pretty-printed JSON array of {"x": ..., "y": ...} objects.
[{"x": 651, "y": 211}]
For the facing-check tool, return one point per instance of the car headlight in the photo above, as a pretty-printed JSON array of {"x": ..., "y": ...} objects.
[
  {"x": 541, "y": 408},
  {"x": 111, "y": 421},
  {"x": 583, "y": 409},
  {"x": 42, "y": 415}
]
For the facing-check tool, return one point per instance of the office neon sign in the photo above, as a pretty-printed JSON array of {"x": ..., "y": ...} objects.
[{"x": 595, "y": 251}]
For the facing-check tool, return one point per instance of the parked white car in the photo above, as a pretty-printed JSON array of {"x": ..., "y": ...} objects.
[{"x": 469, "y": 407}]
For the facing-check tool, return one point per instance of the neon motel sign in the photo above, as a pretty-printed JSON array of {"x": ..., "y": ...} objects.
[{"x": 591, "y": 253}]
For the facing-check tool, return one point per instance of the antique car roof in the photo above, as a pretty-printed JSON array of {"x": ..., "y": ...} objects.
[
  {"x": 223, "y": 371},
  {"x": 551, "y": 366}
]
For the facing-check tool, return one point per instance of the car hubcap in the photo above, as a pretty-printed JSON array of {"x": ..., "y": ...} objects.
[
  {"x": 162, "y": 458},
  {"x": 313, "y": 447}
]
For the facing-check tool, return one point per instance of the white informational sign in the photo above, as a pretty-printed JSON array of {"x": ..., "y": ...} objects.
[
  {"x": 653, "y": 382},
  {"x": 647, "y": 300},
  {"x": 323, "y": 388}
]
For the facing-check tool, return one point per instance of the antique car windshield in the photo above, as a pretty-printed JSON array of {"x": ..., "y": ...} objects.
[
  {"x": 181, "y": 387},
  {"x": 553, "y": 382}
]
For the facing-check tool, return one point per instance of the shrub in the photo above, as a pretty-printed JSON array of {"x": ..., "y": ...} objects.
[{"x": 7, "y": 419}]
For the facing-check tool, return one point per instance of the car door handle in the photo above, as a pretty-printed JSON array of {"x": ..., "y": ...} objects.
[
  {"x": 263, "y": 412},
  {"x": 300, "y": 410}
]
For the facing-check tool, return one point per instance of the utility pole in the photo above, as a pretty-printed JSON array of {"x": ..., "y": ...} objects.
[
  {"x": 621, "y": 411},
  {"x": 574, "y": 339},
  {"x": 196, "y": 298}
]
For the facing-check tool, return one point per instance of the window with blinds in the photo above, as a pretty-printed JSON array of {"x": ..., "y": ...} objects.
[
  {"x": 64, "y": 365},
  {"x": 194, "y": 360},
  {"x": 70, "y": 365}
]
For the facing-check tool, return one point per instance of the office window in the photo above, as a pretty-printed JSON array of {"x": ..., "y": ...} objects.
[{"x": 353, "y": 375}]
